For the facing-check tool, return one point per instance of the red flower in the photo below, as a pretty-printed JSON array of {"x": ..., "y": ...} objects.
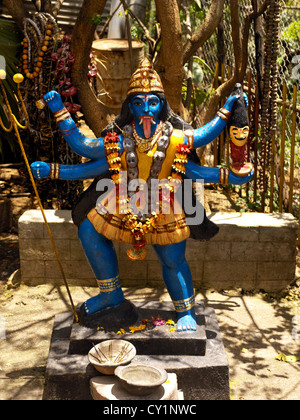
[
  {"x": 112, "y": 137},
  {"x": 69, "y": 92},
  {"x": 72, "y": 108},
  {"x": 158, "y": 321},
  {"x": 183, "y": 148}
]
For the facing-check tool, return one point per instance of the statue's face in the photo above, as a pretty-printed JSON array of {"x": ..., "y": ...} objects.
[
  {"x": 146, "y": 110},
  {"x": 239, "y": 135}
]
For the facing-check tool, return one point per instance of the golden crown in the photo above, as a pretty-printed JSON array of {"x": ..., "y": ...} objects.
[{"x": 145, "y": 80}]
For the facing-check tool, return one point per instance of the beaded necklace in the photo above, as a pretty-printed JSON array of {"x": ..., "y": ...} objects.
[
  {"x": 43, "y": 37},
  {"x": 144, "y": 145}
]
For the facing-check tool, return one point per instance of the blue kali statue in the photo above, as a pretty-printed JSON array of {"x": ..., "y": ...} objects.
[{"x": 147, "y": 142}]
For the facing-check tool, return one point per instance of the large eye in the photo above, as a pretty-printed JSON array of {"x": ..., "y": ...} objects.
[
  {"x": 137, "y": 103},
  {"x": 154, "y": 102}
]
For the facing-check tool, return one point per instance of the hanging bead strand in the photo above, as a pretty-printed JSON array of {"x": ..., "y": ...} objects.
[{"x": 31, "y": 68}]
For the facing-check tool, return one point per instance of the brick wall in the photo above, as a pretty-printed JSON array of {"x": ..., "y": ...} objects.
[{"x": 251, "y": 251}]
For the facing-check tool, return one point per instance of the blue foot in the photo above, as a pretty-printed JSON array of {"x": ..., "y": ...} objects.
[
  {"x": 103, "y": 301},
  {"x": 187, "y": 322}
]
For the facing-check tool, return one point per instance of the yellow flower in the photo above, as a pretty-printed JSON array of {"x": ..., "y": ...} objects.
[
  {"x": 172, "y": 329},
  {"x": 170, "y": 322},
  {"x": 134, "y": 329},
  {"x": 121, "y": 331}
]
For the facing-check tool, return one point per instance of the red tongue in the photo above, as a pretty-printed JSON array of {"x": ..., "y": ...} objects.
[{"x": 147, "y": 126}]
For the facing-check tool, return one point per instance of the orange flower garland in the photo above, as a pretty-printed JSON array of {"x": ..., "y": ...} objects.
[{"x": 178, "y": 168}]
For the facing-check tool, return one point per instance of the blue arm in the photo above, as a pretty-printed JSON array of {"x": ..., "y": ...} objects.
[
  {"x": 214, "y": 128},
  {"x": 85, "y": 170},
  {"x": 83, "y": 146},
  {"x": 211, "y": 175}
]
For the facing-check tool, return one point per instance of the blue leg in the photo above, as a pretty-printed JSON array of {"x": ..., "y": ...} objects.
[
  {"x": 102, "y": 257},
  {"x": 178, "y": 279}
]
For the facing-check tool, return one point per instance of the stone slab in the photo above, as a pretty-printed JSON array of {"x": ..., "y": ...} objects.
[
  {"x": 153, "y": 340},
  {"x": 200, "y": 377},
  {"x": 108, "y": 388}
]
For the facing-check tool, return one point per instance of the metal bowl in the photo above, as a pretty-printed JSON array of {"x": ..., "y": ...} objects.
[
  {"x": 141, "y": 379},
  {"x": 110, "y": 354}
]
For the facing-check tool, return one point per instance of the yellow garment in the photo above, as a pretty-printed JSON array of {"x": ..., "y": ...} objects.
[{"x": 171, "y": 228}]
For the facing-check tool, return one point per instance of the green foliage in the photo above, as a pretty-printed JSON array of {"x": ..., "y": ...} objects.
[
  {"x": 136, "y": 30},
  {"x": 292, "y": 32},
  {"x": 96, "y": 19},
  {"x": 197, "y": 14},
  {"x": 10, "y": 40},
  {"x": 200, "y": 93}
]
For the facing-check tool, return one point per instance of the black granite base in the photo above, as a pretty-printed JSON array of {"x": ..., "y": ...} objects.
[
  {"x": 197, "y": 358},
  {"x": 109, "y": 318}
]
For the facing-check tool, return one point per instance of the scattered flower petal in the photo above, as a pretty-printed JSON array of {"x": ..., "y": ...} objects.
[
  {"x": 134, "y": 329},
  {"x": 284, "y": 358},
  {"x": 158, "y": 321}
]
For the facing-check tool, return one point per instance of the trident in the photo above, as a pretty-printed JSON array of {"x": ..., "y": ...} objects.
[{"x": 15, "y": 125}]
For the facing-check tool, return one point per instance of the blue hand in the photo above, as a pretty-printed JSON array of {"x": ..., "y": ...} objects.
[
  {"x": 239, "y": 180},
  {"x": 40, "y": 170},
  {"x": 231, "y": 101},
  {"x": 246, "y": 100},
  {"x": 54, "y": 101}
]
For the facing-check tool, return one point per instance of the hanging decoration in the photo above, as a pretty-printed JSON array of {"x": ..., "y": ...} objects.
[{"x": 270, "y": 91}]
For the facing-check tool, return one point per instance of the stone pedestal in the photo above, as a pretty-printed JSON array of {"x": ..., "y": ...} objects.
[{"x": 197, "y": 358}]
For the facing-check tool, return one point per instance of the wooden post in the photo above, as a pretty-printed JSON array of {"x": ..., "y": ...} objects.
[
  {"x": 216, "y": 83},
  {"x": 221, "y": 147},
  {"x": 256, "y": 115},
  {"x": 249, "y": 117},
  {"x": 272, "y": 174},
  {"x": 282, "y": 147},
  {"x": 293, "y": 138}
]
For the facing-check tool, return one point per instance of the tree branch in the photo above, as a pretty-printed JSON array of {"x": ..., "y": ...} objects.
[
  {"x": 47, "y": 7},
  {"x": 171, "y": 54},
  {"x": 82, "y": 39},
  {"x": 240, "y": 47},
  {"x": 56, "y": 7},
  {"x": 145, "y": 30},
  {"x": 37, "y": 4},
  {"x": 208, "y": 27},
  {"x": 17, "y": 10}
]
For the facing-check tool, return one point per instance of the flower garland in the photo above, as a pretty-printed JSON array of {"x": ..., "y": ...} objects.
[
  {"x": 141, "y": 224},
  {"x": 178, "y": 168},
  {"x": 112, "y": 148}
]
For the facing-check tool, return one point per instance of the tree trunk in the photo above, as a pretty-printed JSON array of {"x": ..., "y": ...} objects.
[
  {"x": 17, "y": 9},
  {"x": 170, "y": 61},
  {"x": 96, "y": 115}
]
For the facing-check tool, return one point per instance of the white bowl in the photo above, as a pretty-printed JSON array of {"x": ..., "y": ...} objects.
[
  {"x": 110, "y": 354},
  {"x": 141, "y": 379}
]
